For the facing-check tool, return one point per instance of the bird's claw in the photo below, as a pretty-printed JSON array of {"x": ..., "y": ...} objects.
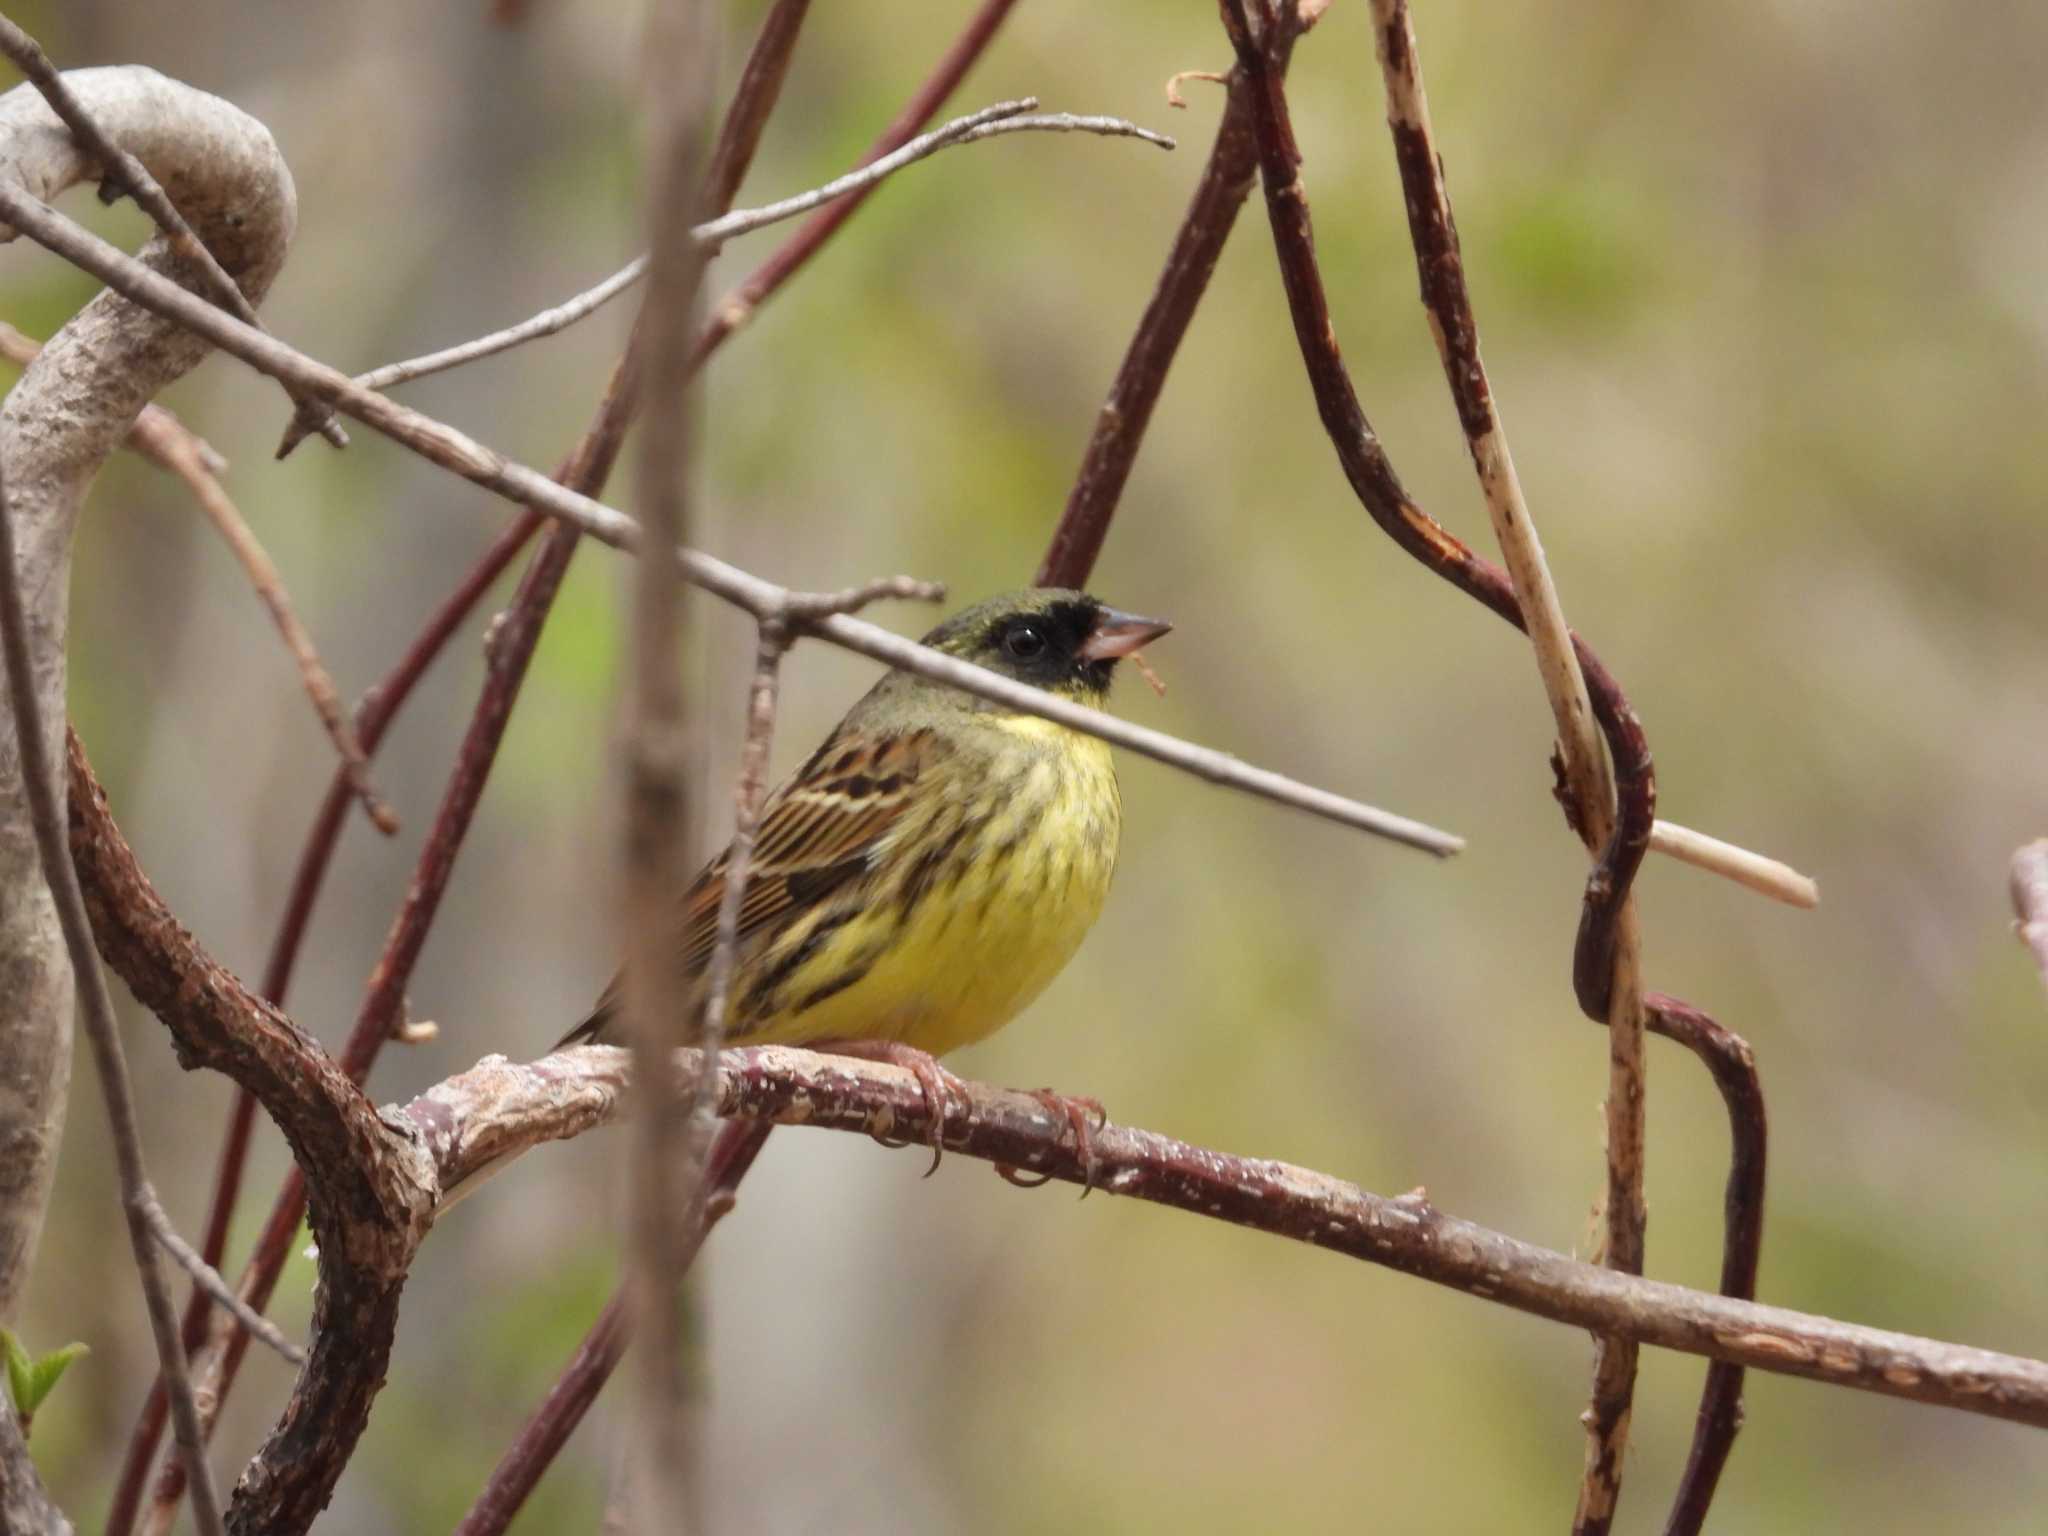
[
  {"x": 1076, "y": 1110},
  {"x": 941, "y": 1089}
]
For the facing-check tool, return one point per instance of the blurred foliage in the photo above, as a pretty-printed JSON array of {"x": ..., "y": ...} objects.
[{"x": 1760, "y": 291}]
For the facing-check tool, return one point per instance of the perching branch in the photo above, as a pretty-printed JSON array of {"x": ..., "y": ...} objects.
[{"x": 499, "y": 1109}]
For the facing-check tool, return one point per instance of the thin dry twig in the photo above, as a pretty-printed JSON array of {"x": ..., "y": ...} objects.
[
  {"x": 175, "y": 453},
  {"x": 2030, "y": 900},
  {"x": 173, "y": 447},
  {"x": 127, "y": 174},
  {"x": 990, "y": 122},
  {"x": 739, "y": 304},
  {"x": 547, "y": 323},
  {"x": 208, "y": 1279},
  {"x": 45, "y": 794}
]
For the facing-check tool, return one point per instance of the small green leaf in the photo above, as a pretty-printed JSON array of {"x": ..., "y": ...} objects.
[
  {"x": 20, "y": 1371},
  {"x": 48, "y": 1371},
  {"x": 30, "y": 1380}
]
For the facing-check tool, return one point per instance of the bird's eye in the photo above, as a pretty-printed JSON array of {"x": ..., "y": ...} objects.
[{"x": 1024, "y": 642}]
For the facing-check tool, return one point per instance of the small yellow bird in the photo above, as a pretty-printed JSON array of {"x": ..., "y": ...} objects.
[{"x": 935, "y": 863}]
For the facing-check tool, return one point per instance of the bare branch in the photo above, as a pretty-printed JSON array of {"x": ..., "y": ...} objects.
[
  {"x": 546, "y": 323},
  {"x": 367, "y": 1209},
  {"x": 208, "y": 1279},
  {"x": 988, "y": 123},
  {"x": 125, "y": 173},
  {"x": 488, "y": 1114},
  {"x": 44, "y": 791},
  {"x": 1765, "y": 875}
]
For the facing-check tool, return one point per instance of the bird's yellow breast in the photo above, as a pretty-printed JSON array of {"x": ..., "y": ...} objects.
[{"x": 976, "y": 902}]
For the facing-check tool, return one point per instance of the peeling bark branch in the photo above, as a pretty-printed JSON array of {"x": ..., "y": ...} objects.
[
  {"x": 25, "y": 1505},
  {"x": 68, "y": 413}
]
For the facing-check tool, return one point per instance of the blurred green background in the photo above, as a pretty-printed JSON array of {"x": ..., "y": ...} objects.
[{"x": 1761, "y": 287}]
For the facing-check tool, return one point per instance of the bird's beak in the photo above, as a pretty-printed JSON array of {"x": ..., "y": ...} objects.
[{"x": 1117, "y": 635}]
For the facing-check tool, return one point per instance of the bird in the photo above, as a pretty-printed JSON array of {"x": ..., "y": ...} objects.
[{"x": 933, "y": 865}]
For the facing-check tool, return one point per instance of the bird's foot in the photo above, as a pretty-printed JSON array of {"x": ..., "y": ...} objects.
[
  {"x": 1076, "y": 1110},
  {"x": 940, "y": 1087}
]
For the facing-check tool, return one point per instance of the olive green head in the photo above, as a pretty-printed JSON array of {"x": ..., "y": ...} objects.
[{"x": 1063, "y": 641}]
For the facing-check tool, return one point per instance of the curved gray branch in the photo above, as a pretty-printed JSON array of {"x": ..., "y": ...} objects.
[{"x": 64, "y": 418}]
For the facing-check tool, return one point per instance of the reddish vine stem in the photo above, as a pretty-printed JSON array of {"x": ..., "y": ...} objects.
[
  {"x": 753, "y": 102},
  {"x": 737, "y": 307},
  {"x": 1372, "y": 477},
  {"x": 1727, "y": 1056},
  {"x": 519, "y": 1471},
  {"x": 1126, "y": 412},
  {"x": 374, "y": 713}
]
